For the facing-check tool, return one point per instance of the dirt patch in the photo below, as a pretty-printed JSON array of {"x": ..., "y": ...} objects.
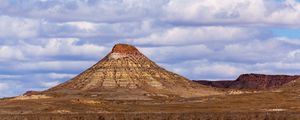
[{"x": 25, "y": 97}]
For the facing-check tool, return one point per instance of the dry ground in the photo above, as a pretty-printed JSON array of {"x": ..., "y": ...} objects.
[{"x": 283, "y": 103}]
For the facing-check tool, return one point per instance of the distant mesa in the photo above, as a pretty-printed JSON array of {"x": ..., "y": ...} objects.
[
  {"x": 127, "y": 73},
  {"x": 252, "y": 81}
]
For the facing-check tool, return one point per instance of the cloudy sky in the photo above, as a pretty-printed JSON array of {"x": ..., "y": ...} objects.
[{"x": 46, "y": 42}]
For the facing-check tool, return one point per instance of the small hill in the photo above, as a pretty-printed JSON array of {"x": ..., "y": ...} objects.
[
  {"x": 292, "y": 87},
  {"x": 125, "y": 72}
]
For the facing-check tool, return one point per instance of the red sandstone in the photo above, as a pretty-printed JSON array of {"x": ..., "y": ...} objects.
[{"x": 124, "y": 48}]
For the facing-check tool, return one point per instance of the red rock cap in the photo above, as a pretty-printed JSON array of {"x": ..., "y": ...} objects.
[{"x": 124, "y": 48}]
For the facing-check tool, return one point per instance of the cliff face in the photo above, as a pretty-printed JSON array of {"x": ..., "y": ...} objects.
[
  {"x": 260, "y": 81},
  {"x": 252, "y": 81}
]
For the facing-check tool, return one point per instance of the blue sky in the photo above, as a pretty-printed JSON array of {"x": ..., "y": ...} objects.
[{"x": 46, "y": 42}]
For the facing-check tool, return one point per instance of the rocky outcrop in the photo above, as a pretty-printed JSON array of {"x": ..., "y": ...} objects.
[
  {"x": 125, "y": 49},
  {"x": 126, "y": 68},
  {"x": 31, "y": 92},
  {"x": 252, "y": 81}
]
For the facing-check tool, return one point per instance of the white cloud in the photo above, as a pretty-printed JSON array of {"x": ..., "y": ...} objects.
[
  {"x": 9, "y": 53},
  {"x": 255, "y": 51},
  {"x": 10, "y": 88},
  {"x": 280, "y": 66},
  {"x": 49, "y": 84},
  {"x": 214, "y": 12},
  {"x": 82, "y": 25},
  {"x": 99, "y": 30},
  {"x": 82, "y": 10},
  {"x": 60, "y": 75},
  {"x": 204, "y": 12},
  {"x": 52, "y": 48},
  {"x": 197, "y": 35},
  {"x": 289, "y": 15},
  {"x": 8, "y": 76},
  {"x": 64, "y": 46},
  {"x": 223, "y": 70},
  {"x": 250, "y": 50},
  {"x": 53, "y": 65},
  {"x": 207, "y": 69},
  {"x": 3, "y": 86},
  {"x": 294, "y": 55},
  {"x": 13, "y": 27},
  {"x": 176, "y": 53}
]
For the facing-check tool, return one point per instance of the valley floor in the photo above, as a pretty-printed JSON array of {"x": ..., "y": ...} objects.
[
  {"x": 250, "y": 106},
  {"x": 159, "y": 116}
]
